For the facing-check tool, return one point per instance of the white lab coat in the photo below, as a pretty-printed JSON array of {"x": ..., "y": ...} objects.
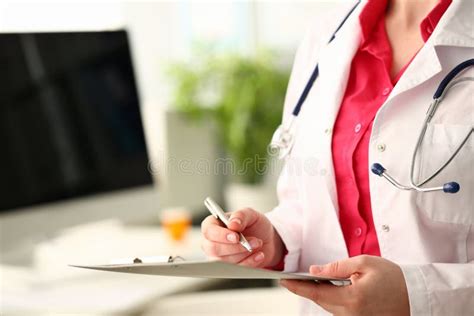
[{"x": 430, "y": 235}]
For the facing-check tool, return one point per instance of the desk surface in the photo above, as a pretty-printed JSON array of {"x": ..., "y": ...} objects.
[{"x": 53, "y": 287}]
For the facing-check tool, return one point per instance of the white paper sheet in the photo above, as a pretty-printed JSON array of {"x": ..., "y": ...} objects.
[{"x": 208, "y": 269}]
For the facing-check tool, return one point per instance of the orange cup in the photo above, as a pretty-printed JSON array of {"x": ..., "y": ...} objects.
[{"x": 176, "y": 222}]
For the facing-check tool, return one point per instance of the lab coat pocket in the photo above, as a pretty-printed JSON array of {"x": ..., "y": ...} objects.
[{"x": 441, "y": 141}]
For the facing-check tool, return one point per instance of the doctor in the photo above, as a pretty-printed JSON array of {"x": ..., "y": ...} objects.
[{"x": 406, "y": 252}]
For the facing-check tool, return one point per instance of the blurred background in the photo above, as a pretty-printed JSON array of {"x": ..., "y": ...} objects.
[{"x": 117, "y": 119}]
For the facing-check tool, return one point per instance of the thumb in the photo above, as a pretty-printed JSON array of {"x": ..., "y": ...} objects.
[
  {"x": 338, "y": 269},
  {"x": 240, "y": 220}
]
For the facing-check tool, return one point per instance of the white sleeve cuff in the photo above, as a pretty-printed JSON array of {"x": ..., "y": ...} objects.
[
  {"x": 290, "y": 238},
  {"x": 418, "y": 294}
]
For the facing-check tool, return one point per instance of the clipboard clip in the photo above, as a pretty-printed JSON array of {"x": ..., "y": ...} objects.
[
  {"x": 154, "y": 259},
  {"x": 171, "y": 259}
]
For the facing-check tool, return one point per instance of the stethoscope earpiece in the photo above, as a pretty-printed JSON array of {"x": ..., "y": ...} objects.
[
  {"x": 451, "y": 187},
  {"x": 377, "y": 168}
]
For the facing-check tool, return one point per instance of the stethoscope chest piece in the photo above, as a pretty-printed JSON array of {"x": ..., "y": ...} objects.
[{"x": 282, "y": 141}]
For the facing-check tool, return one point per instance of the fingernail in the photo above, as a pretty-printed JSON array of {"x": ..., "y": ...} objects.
[
  {"x": 259, "y": 257},
  {"x": 255, "y": 243},
  {"x": 236, "y": 220},
  {"x": 316, "y": 269},
  {"x": 232, "y": 237}
]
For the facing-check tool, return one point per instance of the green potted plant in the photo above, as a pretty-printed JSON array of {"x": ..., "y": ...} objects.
[{"x": 244, "y": 97}]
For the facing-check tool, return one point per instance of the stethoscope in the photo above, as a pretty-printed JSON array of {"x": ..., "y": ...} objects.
[{"x": 284, "y": 136}]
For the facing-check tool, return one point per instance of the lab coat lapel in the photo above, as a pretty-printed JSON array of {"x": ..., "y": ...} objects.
[
  {"x": 334, "y": 67},
  {"x": 424, "y": 66},
  {"x": 454, "y": 29},
  {"x": 456, "y": 26}
]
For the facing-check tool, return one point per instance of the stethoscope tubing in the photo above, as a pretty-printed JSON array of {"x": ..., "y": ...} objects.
[
  {"x": 450, "y": 187},
  {"x": 283, "y": 138},
  {"x": 429, "y": 116},
  {"x": 315, "y": 73}
]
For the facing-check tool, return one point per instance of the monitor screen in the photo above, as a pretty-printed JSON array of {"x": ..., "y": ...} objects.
[{"x": 70, "y": 121}]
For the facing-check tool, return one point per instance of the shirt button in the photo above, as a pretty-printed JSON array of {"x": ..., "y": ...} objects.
[
  {"x": 328, "y": 131},
  {"x": 357, "y": 128},
  {"x": 381, "y": 147},
  {"x": 386, "y": 228},
  {"x": 358, "y": 231},
  {"x": 429, "y": 29},
  {"x": 386, "y": 91}
]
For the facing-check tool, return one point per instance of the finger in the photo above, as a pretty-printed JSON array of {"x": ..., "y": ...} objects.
[
  {"x": 212, "y": 230},
  {"x": 217, "y": 249},
  {"x": 256, "y": 259},
  {"x": 340, "y": 269},
  {"x": 236, "y": 258},
  {"x": 211, "y": 219},
  {"x": 239, "y": 220},
  {"x": 322, "y": 294}
]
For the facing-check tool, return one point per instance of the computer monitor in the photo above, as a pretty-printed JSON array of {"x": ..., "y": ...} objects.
[{"x": 70, "y": 122}]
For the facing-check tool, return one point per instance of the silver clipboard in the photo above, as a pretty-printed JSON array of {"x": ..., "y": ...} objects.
[{"x": 177, "y": 267}]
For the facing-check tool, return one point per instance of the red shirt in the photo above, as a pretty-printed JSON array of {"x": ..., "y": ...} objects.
[{"x": 368, "y": 87}]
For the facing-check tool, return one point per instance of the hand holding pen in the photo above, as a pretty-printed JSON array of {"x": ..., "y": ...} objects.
[
  {"x": 222, "y": 237},
  {"x": 219, "y": 214}
]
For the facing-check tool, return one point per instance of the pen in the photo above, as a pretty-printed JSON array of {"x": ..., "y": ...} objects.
[{"x": 218, "y": 213}]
